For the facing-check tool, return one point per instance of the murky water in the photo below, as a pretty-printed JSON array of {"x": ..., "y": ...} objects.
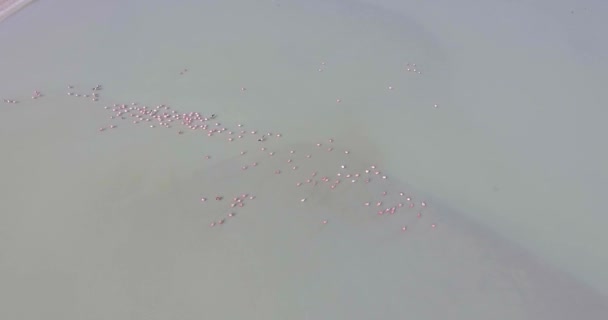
[{"x": 343, "y": 174}]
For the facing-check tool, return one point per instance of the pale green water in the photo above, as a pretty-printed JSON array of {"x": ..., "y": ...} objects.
[{"x": 478, "y": 152}]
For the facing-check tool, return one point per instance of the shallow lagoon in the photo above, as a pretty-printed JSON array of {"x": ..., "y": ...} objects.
[{"x": 110, "y": 223}]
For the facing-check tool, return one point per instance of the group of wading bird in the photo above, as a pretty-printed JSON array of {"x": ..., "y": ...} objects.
[{"x": 165, "y": 116}]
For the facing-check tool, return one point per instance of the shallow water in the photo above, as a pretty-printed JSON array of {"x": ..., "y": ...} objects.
[
  {"x": 114, "y": 218},
  {"x": 524, "y": 125}
]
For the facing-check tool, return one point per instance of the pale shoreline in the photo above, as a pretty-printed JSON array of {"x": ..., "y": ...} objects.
[{"x": 9, "y": 7}]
